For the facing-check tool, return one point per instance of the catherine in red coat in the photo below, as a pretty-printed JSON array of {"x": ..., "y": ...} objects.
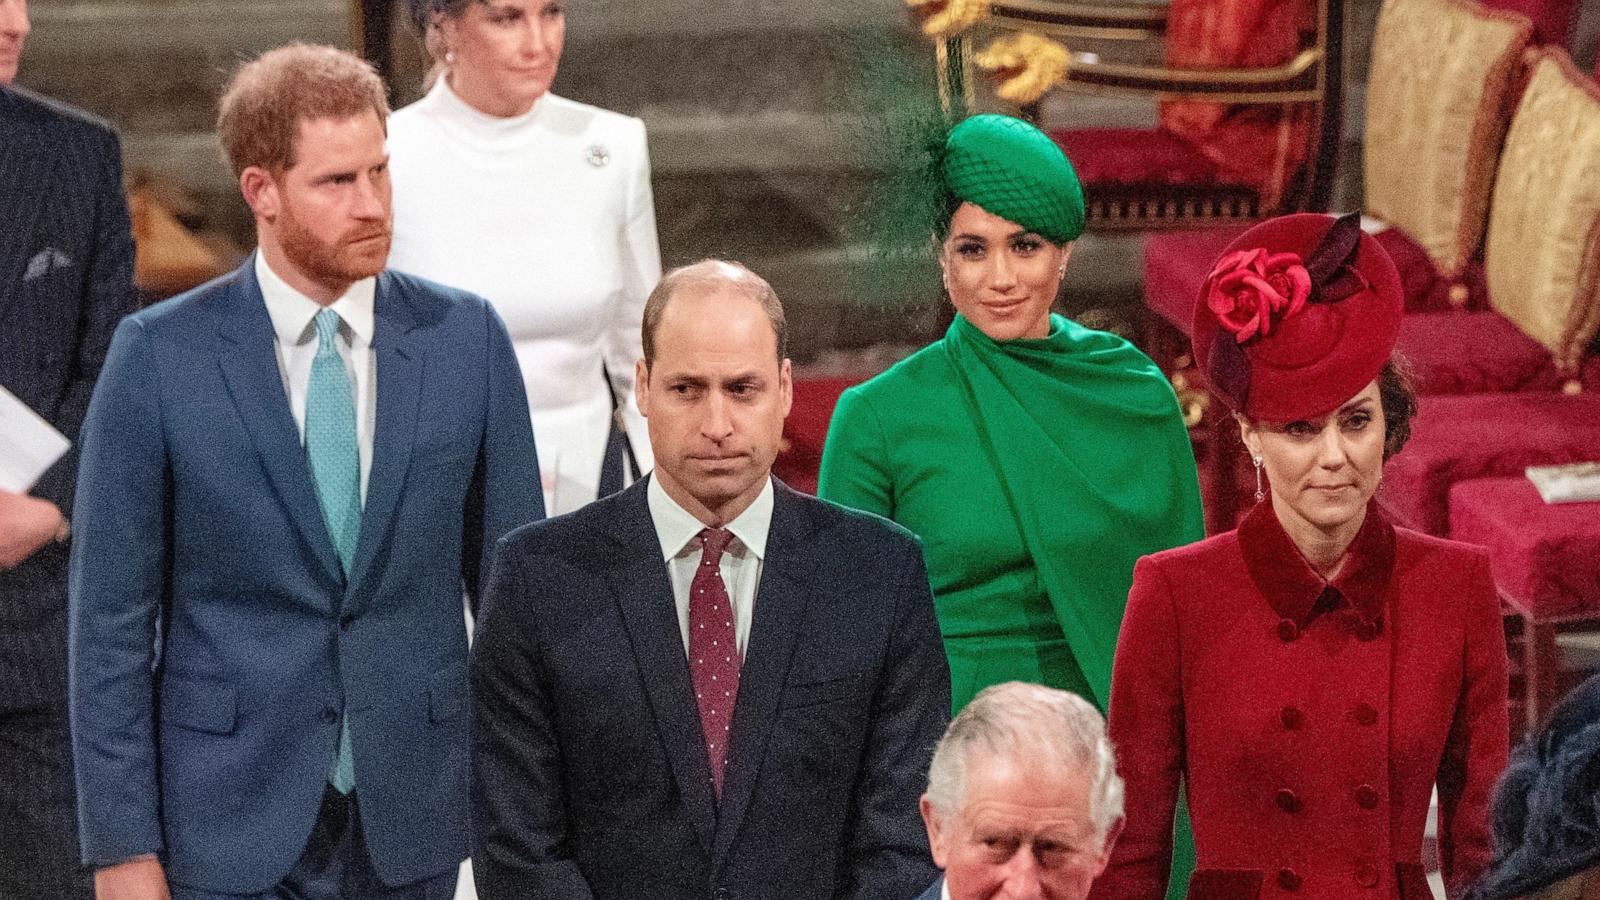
[{"x": 1311, "y": 675}]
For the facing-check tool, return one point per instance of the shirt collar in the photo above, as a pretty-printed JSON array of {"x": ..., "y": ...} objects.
[
  {"x": 676, "y": 527},
  {"x": 1292, "y": 587},
  {"x": 291, "y": 311}
]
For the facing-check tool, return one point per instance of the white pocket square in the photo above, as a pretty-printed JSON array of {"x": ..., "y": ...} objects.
[{"x": 44, "y": 262}]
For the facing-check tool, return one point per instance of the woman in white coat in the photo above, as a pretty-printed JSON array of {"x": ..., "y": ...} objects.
[{"x": 543, "y": 206}]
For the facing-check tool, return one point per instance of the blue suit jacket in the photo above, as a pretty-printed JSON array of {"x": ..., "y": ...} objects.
[
  {"x": 215, "y": 641},
  {"x": 590, "y": 774},
  {"x": 66, "y": 279},
  {"x": 933, "y": 893}
]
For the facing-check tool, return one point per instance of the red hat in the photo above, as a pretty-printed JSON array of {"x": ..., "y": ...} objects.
[{"x": 1298, "y": 315}]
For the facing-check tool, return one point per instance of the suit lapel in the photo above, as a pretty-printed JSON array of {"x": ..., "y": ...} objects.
[
  {"x": 650, "y": 614},
  {"x": 28, "y": 168},
  {"x": 250, "y": 368},
  {"x": 781, "y": 602},
  {"x": 399, "y": 359}
]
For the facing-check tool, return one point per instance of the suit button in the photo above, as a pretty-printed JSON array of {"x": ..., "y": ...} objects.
[
  {"x": 721, "y": 893},
  {"x": 1287, "y": 800},
  {"x": 1366, "y": 875},
  {"x": 346, "y": 622},
  {"x": 1288, "y": 630},
  {"x": 1365, "y": 714},
  {"x": 329, "y": 715},
  {"x": 1367, "y": 796},
  {"x": 1292, "y": 718},
  {"x": 1289, "y": 880},
  {"x": 1367, "y": 631}
]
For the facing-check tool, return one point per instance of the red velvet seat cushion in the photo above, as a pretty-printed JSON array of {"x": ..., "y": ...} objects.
[
  {"x": 1133, "y": 157},
  {"x": 1456, "y": 438},
  {"x": 1424, "y": 290},
  {"x": 1474, "y": 353},
  {"x": 1546, "y": 557},
  {"x": 806, "y": 429},
  {"x": 1175, "y": 266}
]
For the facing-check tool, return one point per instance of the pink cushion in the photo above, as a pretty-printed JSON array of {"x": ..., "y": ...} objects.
[
  {"x": 1546, "y": 557},
  {"x": 1474, "y": 353},
  {"x": 1424, "y": 290},
  {"x": 1456, "y": 438},
  {"x": 1175, "y": 266}
]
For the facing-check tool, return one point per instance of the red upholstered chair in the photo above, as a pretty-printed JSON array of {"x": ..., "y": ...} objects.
[
  {"x": 1459, "y": 438},
  {"x": 1249, "y": 108},
  {"x": 806, "y": 429},
  {"x": 1540, "y": 264},
  {"x": 1546, "y": 563}
]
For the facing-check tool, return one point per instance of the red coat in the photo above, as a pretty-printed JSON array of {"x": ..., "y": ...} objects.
[{"x": 1311, "y": 724}]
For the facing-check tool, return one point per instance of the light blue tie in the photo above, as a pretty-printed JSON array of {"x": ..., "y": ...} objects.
[{"x": 336, "y": 470}]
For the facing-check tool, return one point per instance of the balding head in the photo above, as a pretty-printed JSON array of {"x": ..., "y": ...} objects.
[{"x": 710, "y": 275}]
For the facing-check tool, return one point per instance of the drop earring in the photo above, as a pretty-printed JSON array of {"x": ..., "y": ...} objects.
[{"x": 1260, "y": 495}]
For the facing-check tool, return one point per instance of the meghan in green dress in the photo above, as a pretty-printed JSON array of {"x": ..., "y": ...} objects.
[{"x": 1035, "y": 458}]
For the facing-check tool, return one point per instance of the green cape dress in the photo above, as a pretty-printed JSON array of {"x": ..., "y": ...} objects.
[{"x": 1036, "y": 472}]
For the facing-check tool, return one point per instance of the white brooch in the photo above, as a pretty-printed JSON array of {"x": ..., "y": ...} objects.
[{"x": 597, "y": 155}]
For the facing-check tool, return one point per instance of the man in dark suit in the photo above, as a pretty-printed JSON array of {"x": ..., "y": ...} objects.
[
  {"x": 289, "y": 477},
  {"x": 66, "y": 277},
  {"x": 707, "y": 685},
  {"x": 1024, "y": 801}
]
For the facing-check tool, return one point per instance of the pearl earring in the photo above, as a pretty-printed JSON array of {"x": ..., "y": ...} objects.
[
  {"x": 449, "y": 57},
  {"x": 1260, "y": 495}
]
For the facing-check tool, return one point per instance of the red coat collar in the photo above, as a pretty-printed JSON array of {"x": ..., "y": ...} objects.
[{"x": 1292, "y": 586}]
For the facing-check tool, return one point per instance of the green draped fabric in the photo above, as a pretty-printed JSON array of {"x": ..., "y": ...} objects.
[{"x": 1036, "y": 472}]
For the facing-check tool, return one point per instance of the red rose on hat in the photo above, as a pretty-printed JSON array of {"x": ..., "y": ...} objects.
[{"x": 1252, "y": 290}]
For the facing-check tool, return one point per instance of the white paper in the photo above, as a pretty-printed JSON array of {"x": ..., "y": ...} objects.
[
  {"x": 1570, "y": 483},
  {"x": 28, "y": 444}
]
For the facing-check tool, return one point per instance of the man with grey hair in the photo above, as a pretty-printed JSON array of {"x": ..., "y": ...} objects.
[{"x": 1023, "y": 801}]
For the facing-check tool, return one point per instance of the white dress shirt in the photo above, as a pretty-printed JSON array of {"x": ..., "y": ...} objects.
[
  {"x": 677, "y": 529},
  {"x": 292, "y": 315}
]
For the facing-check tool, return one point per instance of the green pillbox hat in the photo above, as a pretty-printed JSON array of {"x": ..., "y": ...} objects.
[{"x": 1015, "y": 171}]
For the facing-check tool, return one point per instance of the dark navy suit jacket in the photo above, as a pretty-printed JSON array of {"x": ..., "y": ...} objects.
[
  {"x": 215, "y": 641},
  {"x": 590, "y": 772},
  {"x": 933, "y": 892},
  {"x": 66, "y": 278}
]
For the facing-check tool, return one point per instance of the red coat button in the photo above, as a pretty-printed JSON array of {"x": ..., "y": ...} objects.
[
  {"x": 1366, "y": 875},
  {"x": 1287, "y": 800},
  {"x": 1367, "y": 631},
  {"x": 1365, "y": 714},
  {"x": 1288, "y": 630},
  {"x": 1367, "y": 796},
  {"x": 1292, "y": 718},
  {"x": 1289, "y": 880}
]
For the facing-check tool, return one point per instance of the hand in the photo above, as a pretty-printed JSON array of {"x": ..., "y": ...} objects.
[
  {"x": 140, "y": 878},
  {"x": 26, "y": 524}
]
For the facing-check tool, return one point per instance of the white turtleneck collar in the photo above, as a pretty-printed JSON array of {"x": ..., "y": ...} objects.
[{"x": 475, "y": 126}]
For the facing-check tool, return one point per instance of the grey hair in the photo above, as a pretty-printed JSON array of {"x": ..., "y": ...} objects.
[{"x": 1046, "y": 727}]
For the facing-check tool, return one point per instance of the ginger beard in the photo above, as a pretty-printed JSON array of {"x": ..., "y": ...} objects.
[{"x": 361, "y": 252}]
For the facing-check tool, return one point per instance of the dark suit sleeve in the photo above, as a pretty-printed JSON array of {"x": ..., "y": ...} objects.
[
  {"x": 504, "y": 493},
  {"x": 888, "y": 855},
  {"x": 1475, "y": 751},
  {"x": 120, "y": 559},
  {"x": 519, "y": 825},
  {"x": 108, "y": 297}
]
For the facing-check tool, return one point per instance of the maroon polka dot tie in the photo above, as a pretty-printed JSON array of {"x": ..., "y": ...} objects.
[{"x": 713, "y": 653}]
